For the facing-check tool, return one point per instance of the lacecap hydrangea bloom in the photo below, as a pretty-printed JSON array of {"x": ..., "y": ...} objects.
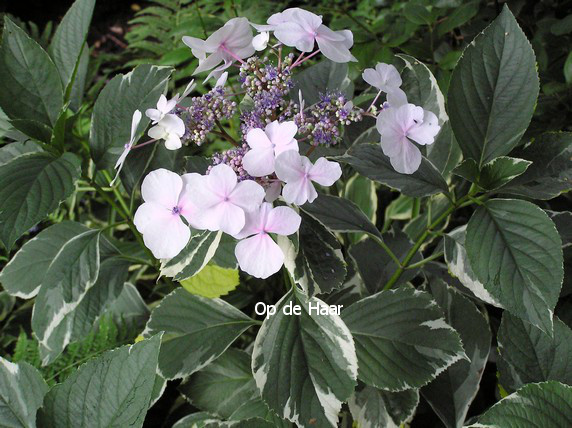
[{"x": 252, "y": 191}]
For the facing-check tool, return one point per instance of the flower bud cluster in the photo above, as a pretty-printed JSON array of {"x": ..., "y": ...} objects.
[
  {"x": 232, "y": 158},
  {"x": 204, "y": 111},
  {"x": 322, "y": 121}
]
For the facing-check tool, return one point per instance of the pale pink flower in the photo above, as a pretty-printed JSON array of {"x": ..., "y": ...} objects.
[
  {"x": 229, "y": 43},
  {"x": 399, "y": 126},
  {"x": 265, "y": 144},
  {"x": 135, "y": 120},
  {"x": 170, "y": 128},
  {"x": 298, "y": 173},
  {"x": 384, "y": 77},
  {"x": 258, "y": 254},
  {"x": 222, "y": 200},
  {"x": 301, "y": 29},
  {"x": 158, "y": 219}
]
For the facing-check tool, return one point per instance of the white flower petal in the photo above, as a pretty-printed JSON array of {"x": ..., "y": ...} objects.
[
  {"x": 226, "y": 217},
  {"x": 258, "y": 139},
  {"x": 162, "y": 187},
  {"x": 259, "y": 162},
  {"x": 325, "y": 172},
  {"x": 299, "y": 191},
  {"x": 260, "y": 41},
  {"x": 173, "y": 142},
  {"x": 259, "y": 256},
  {"x": 289, "y": 166},
  {"x": 408, "y": 160},
  {"x": 282, "y": 221},
  {"x": 221, "y": 180},
  {"x": 248, "y": 195}
]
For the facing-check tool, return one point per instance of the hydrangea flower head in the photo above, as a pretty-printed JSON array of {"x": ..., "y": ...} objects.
[
  {"x": 258, "y": 254},
  {"x": 399, "y": 126},
  {"x": 223, "y": 200},
  {"x": 166, "y": 197},
  {"x": 298, "y": 173},
  {"x": 265, "y": 144}
]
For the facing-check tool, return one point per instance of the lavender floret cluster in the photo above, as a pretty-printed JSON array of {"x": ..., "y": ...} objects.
[{"x": 232, "y": 158}]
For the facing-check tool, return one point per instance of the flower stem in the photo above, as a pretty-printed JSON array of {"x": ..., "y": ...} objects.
[
  {"x": 300, "y": 61},
  {"x": 427, "y": 233}
]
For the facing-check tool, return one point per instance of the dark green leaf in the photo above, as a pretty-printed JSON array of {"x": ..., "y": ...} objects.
[
  {"x": 369, "y": 160},
  {"x": 402, "y": 341},
  {"x": 371, "y": 407},
  {"x": 500, "y": 171},
  {"x": 320, "y": 78},
  {"x": 33, "y": 185},
  {"x": 493, "y": 91},
  {"x": 516, "y": 252},
  {"x": 197, "y": 330},
  {"x": 113, "y": 389}
]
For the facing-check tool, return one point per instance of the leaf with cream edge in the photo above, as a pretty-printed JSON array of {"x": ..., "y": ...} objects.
[
  {"x": 516, "y": 252},
  {"x": 493, "y": 90},
  {"x": 304, "y": 366},
  {"x": 197, "y": 331},
  {"x": 212, "y": 281},
  {"x": 459, "y": 266},
  {"x": 22, "y": 391},
  {"x": 372, "y": 408},
  {"x": 402, "y": 340},
  {"x": 199, "y": 251},
  {"x": 72, "y": 272},
  {"x": 546, "y": 404},
  {"x": 453, "y": 391},
  {"x": 114, "y": 389}
]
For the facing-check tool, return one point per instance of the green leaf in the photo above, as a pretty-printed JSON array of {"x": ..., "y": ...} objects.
[
  {"x": 445, "y": 152},
  {"x": 212, "y": 281},
  {"x": 30, "y": 88},
  {"x": 372, "y": 407},
  {"x": 340, "y": 215},
  {"x": 452, "y": 392},
  {"x": 458, "y": 16},
  {"x": 376, "y": 266},
  {"x": 69, "y": 39},
  {"x": 468, "y": 169},
  {"x": 459, "y": 266},
  {"x": 400, "y": 208},
  {"x": 138, "y": 90},
  {"x": 319, "y": 371},
  {"x": 199, "y": 251},
  {"x": 362, "y": 192},
  {"x": 493, "y": 91},
  {"x": 23, "y": 275},
  {"x": 22, "y": 391},
  {"x": 33, "y": 186},
  {"x": 402, "y": 341},
  {"x": 197, "y": 331},
  {"x": 516, "y": 252},
  {"x": 418, "y": 14},
  {"x": 421, "y": 86},
  {"x": 500, "y": 171},
  {"x": 222, "y": 386},
  {"x": 113, "y": 389},
  {"x": 318, "y": 263},
  {"x": 369, "y": 160},
  {"x": 568, "y": 69},
  {"x": 528, "y": 355},
  {"x": 320, "y": 78},
  {"x": 13, "y": 150},
  {"x": 551, "y": 171},
  {"x": 547, "y": 404},
  {"x": 72, "y": 272}
]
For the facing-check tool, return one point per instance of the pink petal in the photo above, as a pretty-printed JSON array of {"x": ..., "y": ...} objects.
[
  {"x": 408, "y": 160},
  {"x": 163, "y": 232},
  {"x": 325, "y": 172},
  {"x": 162, "y": 187},
  {"x": 282, "y": 136},
  {"x": 334, "y": 50},
  {"x": 259, "y": 256},
  {"x": 293, "y": 35},
  {"x": 257, "y": 139},
  {"x": 208, "y": 63},
  {"x": 254, "y": 221},
  {"x": 299, "y": 191},
  {"x": 248, "y": 195},
  {"x": 224, "y": 216},
  {"x": 396, "y": 97},
  {"x": 192, "y": 214},
  {"x": 289, "y": 166},
  {"x": 221, "y": 180},
  {"x": 282, "y": 221},
  {"x": 273, "y": 191},
  {"x": 425, "y": 132},
  {"x": 259, "y": 162}
]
